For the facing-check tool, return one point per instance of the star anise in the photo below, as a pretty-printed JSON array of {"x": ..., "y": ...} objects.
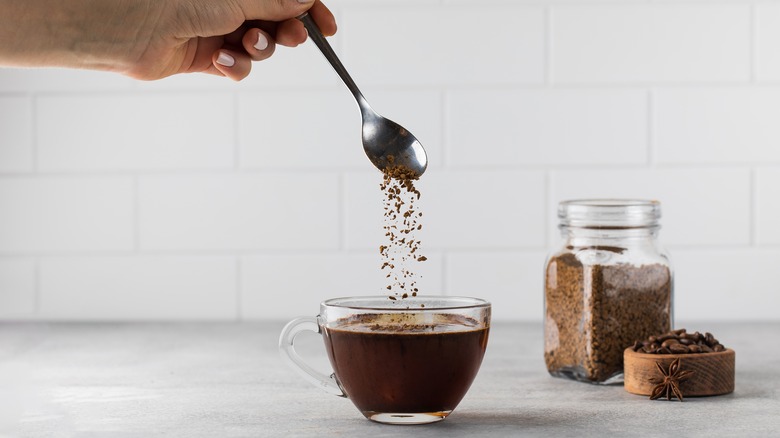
[{"x": 669, "y": 383}]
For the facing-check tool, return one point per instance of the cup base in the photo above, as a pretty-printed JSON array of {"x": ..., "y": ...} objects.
[{"x": 406, "y": 418}]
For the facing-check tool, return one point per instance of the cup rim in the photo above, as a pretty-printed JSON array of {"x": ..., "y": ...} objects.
[{"x": 404, "y": 305}]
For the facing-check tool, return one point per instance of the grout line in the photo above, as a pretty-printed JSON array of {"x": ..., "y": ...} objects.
[
  {"x": 651, "y": 129},
  {"x": 446, "y": 147},
  {"x": 236, "y": 133},
  {"x": 239, "y": 285},
  {"x": 445, "y": 284},
  {"x": 33, "y": 113},
  {"x": 548, "y": 207},
  {"x": 342, "y": 212},
  {"x": 753, "y": 44},
  {"x": 548, "y": 46},
  {"x": 136, "y": 215},
  {"x": 36, "y": 286},
  {"x": 754, "y": 213}
]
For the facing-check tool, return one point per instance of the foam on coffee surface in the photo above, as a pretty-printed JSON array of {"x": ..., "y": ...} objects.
[{"x": 407, "y": 323}]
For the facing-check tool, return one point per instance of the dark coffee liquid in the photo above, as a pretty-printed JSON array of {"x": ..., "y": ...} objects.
[{"x": 397, "y": 367}]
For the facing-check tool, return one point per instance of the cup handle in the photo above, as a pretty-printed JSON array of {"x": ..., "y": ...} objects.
[{"x": 287, "y": 350}]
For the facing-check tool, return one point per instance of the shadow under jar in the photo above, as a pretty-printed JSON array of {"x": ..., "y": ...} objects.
[{"x": 608, "y": 285}]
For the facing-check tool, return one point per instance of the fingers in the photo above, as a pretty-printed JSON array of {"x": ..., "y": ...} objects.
[
  {"x": 232, "y": 64},
  {"x": 274, "y": 10},
  {"x": 236, "y": 65},
  {"x": 324, "y": 18},
  {"x": 291, "y": 32},
  {"x": 259, "y": 45}
]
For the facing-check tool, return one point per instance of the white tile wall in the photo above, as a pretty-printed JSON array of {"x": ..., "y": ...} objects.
[
  {"x": 127, "y": 132},
  {"x": 16, "y": 151},
  {"x": 138, "y": 287},
  {"x": 438, "y": 46},
  {"x": 565, "y": 127},
  {"x": 651, "y": 43},
  {"x": 17, "y": 287},
  {"x": 702, "y": 207},
  {"x": 768, "y": 205},
  {"x": 768, "y": 41},
  {"x": 42, "y": 214},
  {"x": 196, "y": 197},
  {"x": 268, "y": 211},
  {"x": 724, "y": 125},
  {"x": 267, "y": 279}
]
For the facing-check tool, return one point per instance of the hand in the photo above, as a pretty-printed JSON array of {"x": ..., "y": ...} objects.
[{"x": 152, "y": 39}]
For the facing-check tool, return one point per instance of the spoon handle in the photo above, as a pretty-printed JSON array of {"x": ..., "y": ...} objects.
[{"x": 316, "y": 35}]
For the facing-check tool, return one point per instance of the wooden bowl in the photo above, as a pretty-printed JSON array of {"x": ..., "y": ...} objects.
[{"x": 713, "y": 373}]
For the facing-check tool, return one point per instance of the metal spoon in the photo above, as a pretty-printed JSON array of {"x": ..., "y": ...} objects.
[{"x": 385, "y": 142}]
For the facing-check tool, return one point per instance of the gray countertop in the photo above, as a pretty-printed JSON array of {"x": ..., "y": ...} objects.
[{"x": 225, "y": 380}]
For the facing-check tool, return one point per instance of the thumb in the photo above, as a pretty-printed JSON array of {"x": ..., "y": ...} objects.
[{"x": 273, "y": 10}]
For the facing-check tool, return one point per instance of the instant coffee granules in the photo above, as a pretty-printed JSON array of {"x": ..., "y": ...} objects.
[
  {"x": 595, "y": 311},
  {"x": 609, "y": 285},
  {"x": 401, "y": 222}
]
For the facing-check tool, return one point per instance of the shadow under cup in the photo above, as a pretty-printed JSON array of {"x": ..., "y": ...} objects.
[{"x": 407, "y": 361}]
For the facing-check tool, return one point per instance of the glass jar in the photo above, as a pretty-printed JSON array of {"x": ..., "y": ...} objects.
[{"x": 608, "y": 285}]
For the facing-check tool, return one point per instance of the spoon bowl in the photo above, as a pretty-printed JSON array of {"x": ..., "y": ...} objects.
[{"x": 386, "y": 143}]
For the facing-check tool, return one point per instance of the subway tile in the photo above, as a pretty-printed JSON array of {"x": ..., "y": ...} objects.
[
  {"x": 733, "y": 284},
  {"x": 533, "y": 127},
  {"x": 651, "y": 43},
  {"x": 732, "y": 125},
  {"x": 61, "y": 80},
  {"x": 285, "y": 286},
  {"x": 138, "y": 288},
  {"x": 276, "y": 211},
  {"x": 84, "y": 213},
  {"x": 512, "y": 281},
  {"x": 17, "y": 287},
  {"x": 438, "y": 46},
  {"x": 767, "y": 41},
  {"x": 462, "y": 210},
  {"x": 699, "y": 206},
  {"x": 16, "y": 153},
  {"x": 768, "y": 205},
  {"x": 317, "y": 129},
  {"x": 322, "y": 129},
  {"x": 129, "y": 132}
]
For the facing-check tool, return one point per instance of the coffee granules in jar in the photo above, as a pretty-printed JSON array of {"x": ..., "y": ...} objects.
[
  {"x": 402, "y": 220},
  {"x": 608, "y": 286}
]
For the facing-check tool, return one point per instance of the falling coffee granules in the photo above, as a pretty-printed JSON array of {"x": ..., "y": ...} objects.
[
  {"x": 401, "y": 222},
  {"x": 594, "y": 312}
]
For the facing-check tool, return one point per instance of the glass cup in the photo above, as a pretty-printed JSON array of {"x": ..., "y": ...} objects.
[{"x": 406, "y": 361}]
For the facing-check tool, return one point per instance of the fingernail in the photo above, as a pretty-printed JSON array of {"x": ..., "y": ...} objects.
[
  {"x": 262, "y": 42},
  {"x": 225, "y": 59},
  {"x": 305, "y": 1}
]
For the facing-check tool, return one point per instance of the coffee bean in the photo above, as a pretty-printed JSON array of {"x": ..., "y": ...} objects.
[
  {"x": 670, "y": 342},
  {"x": 681, "y": 342}
]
